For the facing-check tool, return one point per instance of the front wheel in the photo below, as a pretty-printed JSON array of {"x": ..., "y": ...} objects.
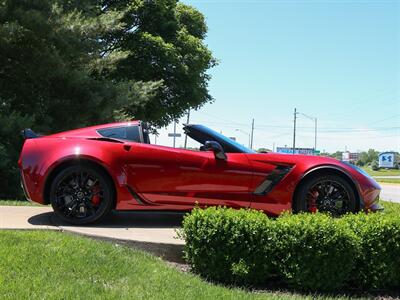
[
  {"x": 328, "y": 193},
  {"x": 81, "y": 194}
]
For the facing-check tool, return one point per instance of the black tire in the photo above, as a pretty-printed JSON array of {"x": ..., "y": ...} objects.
[
  {"x": 73, "y": 191},
  {"x": 326, "y": 193}
]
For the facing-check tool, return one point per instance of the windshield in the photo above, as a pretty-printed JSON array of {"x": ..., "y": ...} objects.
[{"x": 203, "y": 134}]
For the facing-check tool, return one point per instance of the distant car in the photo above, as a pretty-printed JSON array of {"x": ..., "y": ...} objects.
[{"x": 87, "y": 172}]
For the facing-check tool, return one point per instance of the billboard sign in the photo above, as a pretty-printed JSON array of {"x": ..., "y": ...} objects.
[
  {"x": 288, "y": 150},
  {"x": 386, "y": 160}
]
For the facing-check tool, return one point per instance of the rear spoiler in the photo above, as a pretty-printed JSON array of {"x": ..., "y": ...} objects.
[{"x": 28, "y": 133}]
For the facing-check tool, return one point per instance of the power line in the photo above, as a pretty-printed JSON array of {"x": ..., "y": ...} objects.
[{"x": 230, "y": 123}]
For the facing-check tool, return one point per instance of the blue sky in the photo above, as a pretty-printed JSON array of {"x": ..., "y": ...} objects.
[{"x": 338, "y": 61}]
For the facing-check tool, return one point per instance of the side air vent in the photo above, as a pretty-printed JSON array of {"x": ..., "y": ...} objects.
[{"x": 272, "y": 179}]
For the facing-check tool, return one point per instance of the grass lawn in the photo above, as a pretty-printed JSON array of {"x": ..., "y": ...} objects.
[
  {"x": 17, "y": 203},
  {"x": 382, "y": 172},
  {"x": 56, "y": 265},
  {"x": 388, "y": 180},
  {"x": 391, "y": 208}
]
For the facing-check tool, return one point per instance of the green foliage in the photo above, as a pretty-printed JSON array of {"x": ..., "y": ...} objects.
[
  {"x": 368, "y": 157},
  {"x": 378, "y": 262},
  {"x": 67, "y": 64},
  {"x": 228, "y": 245},
  {"x": 374, "y": 166},
  {"x": 307, "y": 251},
  {"x": 337, "y": 155},
  {"x": 263, "y": 150},
  {"x": 162, "y": 42},
  {"x": 316, "y": 252}
]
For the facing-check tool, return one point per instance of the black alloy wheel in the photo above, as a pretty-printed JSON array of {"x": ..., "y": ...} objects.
[
  {"x": 329, "y": 194},
  {"x": 81, "y": 194}
]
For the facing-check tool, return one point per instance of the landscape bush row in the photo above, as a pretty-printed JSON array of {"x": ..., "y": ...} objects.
[{"x": 306, "y": 251}]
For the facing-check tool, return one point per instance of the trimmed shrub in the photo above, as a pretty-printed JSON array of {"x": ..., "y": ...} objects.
[
  {"x": 316, "y": 252},
  {"x": 378, "y": 262},
  {"x": 231, "y": 246},
  {"x": 307, "y": 251}
]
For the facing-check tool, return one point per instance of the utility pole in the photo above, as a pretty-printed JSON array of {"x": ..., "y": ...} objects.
[
  {"x": 187, "y": 122},
  {"x": 174, "y": 132},
  {"x": 294, "y": 129},
  {"x": 252, "y": 134}
]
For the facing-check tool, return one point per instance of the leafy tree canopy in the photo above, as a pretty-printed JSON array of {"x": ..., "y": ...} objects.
[{"x": 69, "y": 63}]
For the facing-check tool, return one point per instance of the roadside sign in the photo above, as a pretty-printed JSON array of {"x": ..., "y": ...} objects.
[
  {"x": 174, "y": 134},
  {"x": 386, "y": 160},
  {"x": 288, "y": 150}
]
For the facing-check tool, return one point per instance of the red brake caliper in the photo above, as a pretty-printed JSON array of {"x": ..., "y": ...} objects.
[
  {"x": 313, "y": 202},
  {"x": 96, "y": 197}
]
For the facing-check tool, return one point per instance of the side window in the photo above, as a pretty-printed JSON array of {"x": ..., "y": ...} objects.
[
  {"x": 130, "y": 133},
  {"x": 133, "y": 134}
]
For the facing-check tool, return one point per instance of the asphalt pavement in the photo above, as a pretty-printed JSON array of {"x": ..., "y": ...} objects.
[{"x": 390, "y": 192}]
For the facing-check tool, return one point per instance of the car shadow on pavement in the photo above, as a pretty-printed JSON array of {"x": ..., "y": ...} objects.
[
  {"x": 41, "y": 219},
  {"x": 119, "y": 219}
]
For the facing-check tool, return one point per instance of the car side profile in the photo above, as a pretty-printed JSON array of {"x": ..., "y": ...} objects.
[{"x": 87, "y": 172}]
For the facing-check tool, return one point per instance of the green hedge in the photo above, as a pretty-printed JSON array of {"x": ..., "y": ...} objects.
[
  {"x": 307, "y": 251},
  {"x": 378, "y": 262}
]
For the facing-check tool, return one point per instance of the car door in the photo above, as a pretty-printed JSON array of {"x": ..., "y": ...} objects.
[
  {"x": 202, "y": 178},
  {"x": 163, "y": 175}
]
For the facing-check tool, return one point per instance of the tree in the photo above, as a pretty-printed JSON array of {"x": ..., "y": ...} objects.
[
  {"x": 366, "y": 158},
  {"x": 46, "y": 53},
  {"x": 66, "y": 64},
  {"x": 337, "y": 155},
  {"x": 163, "y": 44}
]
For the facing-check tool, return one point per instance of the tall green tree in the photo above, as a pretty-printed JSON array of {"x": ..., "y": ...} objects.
[
  {"x": 48, "y": 51},
  {"x": 66, "y": 64},
  {"x": 164, "y": 43}
]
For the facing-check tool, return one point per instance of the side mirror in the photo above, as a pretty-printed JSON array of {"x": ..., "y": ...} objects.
[{"x": 216, "y": 148}]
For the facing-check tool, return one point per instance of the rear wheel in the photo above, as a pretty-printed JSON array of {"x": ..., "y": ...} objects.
[
  {"x": 81, "y": 194},
  {"x": 328, "y": 193}
]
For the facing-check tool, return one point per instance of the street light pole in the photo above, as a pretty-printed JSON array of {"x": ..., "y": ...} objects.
[{"x": 315, "y": 129}]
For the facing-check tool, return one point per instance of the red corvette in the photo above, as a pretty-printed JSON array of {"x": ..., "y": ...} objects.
[{"x": 87, "y": 172}]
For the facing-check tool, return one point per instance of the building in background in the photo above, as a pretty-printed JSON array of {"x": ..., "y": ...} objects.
[{"x": 351, "y": 157}]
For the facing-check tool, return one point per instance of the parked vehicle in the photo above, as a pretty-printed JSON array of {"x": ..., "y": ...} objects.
[{"x": 87, "y": 172}]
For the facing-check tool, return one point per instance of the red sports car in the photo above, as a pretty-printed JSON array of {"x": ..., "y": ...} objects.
[{"x": 87, "y": 172}]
